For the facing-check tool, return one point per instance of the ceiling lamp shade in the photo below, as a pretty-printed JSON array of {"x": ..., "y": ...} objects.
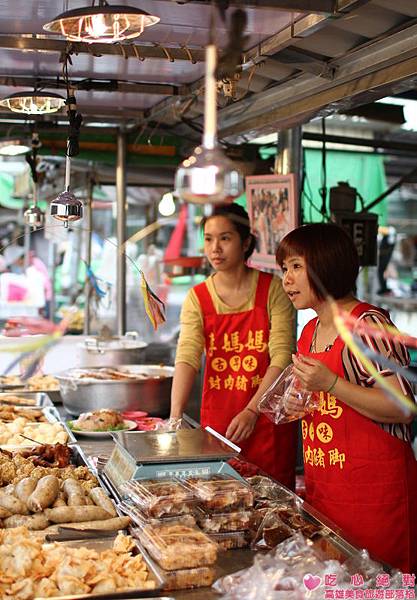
[
  {"x": 208, "y": 176},
  {"x": 13, "y": 147},
  {"x": 103, "y": 23},
  {"x": 66, "y": 208},
  {"x": 34, "y": 217},
  {"x": 33, "y": 103}
]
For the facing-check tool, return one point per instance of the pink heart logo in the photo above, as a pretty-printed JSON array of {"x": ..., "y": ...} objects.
[{"x": 311, "y": 582}]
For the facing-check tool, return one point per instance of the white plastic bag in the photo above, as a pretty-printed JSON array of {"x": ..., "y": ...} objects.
[{"x": 285, "y": 401}]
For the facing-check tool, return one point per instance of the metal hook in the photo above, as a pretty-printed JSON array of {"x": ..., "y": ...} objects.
[
  {"x": 136, "y": 52},
  {"x": 189, "y": 55},
  {"x": 167, "y": 54}
]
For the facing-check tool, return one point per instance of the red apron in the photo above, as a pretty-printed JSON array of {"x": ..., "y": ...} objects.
[
  {"x": 236, "y": 360},
  {"x": 358, "y": 475}
]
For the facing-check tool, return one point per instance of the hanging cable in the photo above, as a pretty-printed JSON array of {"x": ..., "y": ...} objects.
[
  {"x": 32, "y": 157},
  {"x": 323, "y": 189}
]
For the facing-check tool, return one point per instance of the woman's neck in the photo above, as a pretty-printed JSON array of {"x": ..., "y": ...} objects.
[
  {"x": 325, "y": 313},
  {"x": 234, "y": 280}
]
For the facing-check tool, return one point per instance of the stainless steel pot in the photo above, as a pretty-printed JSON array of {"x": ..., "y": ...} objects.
[
  {"x": 123, "y": 350},
  {"x": 152, "y": 394}
]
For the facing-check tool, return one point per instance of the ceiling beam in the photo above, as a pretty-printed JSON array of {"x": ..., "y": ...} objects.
[
  {"x": 379, "y": 63},
  {"x": 97, "y": 85},
  {"x": 303, "y": 27},
  {"x": 138, "y": 51},
  {"x": 318, "y": 6}
]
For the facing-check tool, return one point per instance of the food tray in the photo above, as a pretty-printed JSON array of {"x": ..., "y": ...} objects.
[
  {"x": 159, "y": 498},
  {"x": 34, "y": 426},
  {"x": 221, "y": 493},
  {"x": 35, "y": 399},
  {"x": 32, "y": 414},
  {"x": 223, "y": 522},
  {"x": 230, "y": 541},
  {"x": 101, "y": 545},
  {"x": 176, "y": 546}
]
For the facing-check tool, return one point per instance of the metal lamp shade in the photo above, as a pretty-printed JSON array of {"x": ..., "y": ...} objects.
[
  {"x": 34, "y": 217},
  {"x": 66, "y": 208},
  {"x": 33, "y": 103},
  {"x": 208, "y": 176},
  {"x": 106, "y": 24}
]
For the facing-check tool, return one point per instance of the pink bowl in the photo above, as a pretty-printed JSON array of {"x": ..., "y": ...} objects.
[{"x": 134, "y": 414}]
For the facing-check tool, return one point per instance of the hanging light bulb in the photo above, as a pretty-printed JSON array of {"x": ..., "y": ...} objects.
[
  {"x": 34, "y": 217},
  {"x": 104, "y": 23},
  {"x": 66, "y": 207},
  {"x": 33, "y": 103},
  {"x": 167, "y": 205},
  {"x": 208, "y": 176}
]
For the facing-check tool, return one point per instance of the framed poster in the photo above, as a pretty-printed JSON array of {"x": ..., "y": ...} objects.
[{"x": 272, "y": 208}]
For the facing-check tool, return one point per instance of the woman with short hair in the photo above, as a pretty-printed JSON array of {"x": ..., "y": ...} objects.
[{"x": 360, "y": 470}]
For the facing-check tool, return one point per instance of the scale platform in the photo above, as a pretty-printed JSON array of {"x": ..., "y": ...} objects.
[{"x": 150, "y": 454}]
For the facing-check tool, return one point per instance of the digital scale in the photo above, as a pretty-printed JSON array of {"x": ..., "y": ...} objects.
[{"x": 181, "y": 453}]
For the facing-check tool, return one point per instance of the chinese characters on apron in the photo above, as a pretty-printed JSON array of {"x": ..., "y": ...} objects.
[
  {"x": 237, "y": 358},
  {"x": 358, "y": 475}
]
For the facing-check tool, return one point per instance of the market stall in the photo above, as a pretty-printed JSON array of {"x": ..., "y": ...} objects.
[{"x": 193, "y": 518}]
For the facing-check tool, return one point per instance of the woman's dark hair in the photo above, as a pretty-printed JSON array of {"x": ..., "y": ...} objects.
[
  {"x": 240, "y": 219},
  {"x": 330, "y": 254}
]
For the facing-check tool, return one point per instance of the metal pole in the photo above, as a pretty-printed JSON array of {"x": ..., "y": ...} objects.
[
  {"x": 289, "y": 157},
  {"x": 52, "y": 270},
  {"x": 121, "y": 232},
  {"x": 89, "y": 231}
]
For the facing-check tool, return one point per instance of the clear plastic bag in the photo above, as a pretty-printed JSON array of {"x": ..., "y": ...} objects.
[
  {"x": 278, "y": 402},
  {"x": 171, "y": 424}
]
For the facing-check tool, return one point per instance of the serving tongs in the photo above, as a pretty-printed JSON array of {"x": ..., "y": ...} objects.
[{"x": 65, "y": 534}]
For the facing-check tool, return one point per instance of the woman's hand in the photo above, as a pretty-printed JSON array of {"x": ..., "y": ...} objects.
[
  {"x": 294, "y": 405},
  {"x": 314, "y": 376},
  {"x": 241, "y": 426}
]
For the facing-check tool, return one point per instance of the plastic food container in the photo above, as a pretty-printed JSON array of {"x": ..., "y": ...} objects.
[
  {"x": 183, "y": 579},
  {"x": 175, "y": 546},
  {"x": 222, "y": 522},
  {"x": 141, "y": 519},
  {"x": 221, "y": 493},
  {"x": 229, "y": 541},
  {"x": 159, "y": 497}
]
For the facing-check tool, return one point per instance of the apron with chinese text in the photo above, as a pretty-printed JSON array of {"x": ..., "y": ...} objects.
[
  {"x": 358, "y": 475},
  {"x": 237, "y": 358}
]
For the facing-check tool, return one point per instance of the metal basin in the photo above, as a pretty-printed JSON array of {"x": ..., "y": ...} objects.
[
  {"x": 123, "y": 350},
  {"x": 151, "y": 394}
]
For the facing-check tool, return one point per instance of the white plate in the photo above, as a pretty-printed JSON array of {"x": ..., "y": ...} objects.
[{"x": 129, "y": 426}]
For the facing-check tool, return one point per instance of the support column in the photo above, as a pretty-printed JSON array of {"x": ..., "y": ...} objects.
[
  {"x": 121, "y": 232},
  {"x": 87, "y": 242}
]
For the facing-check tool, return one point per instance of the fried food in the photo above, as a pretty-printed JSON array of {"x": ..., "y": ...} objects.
[{"x": 31, "y": 569}]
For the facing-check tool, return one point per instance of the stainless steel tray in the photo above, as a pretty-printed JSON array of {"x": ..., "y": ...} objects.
[
  {"x": 101, "y": 544},
  {"x": 183, "y": 445},
  {"x": 41, "y": 399}
]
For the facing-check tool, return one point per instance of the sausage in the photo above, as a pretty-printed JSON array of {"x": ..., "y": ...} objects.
[
  {"x": 33, "y": 522},
  {"x": 100, "y": 498},
  {"x": 44, "y": 494},
  {"x": 107, "y": 525},
  {"x": 13, "y": 504},
  {"x": 59, "y": 500},
  {"x": 24, "y": 488},
  {"x": 74, "y": 493},
  {"x": 73, "y": 514}
]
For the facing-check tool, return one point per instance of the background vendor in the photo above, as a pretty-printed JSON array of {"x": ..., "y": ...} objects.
[{"x": 245, "y": 323}]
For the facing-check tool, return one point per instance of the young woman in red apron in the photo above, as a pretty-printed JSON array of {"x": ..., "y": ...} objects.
[
  {"x": 359, "y": 475},
  {"x": 237, "y": 367}
]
